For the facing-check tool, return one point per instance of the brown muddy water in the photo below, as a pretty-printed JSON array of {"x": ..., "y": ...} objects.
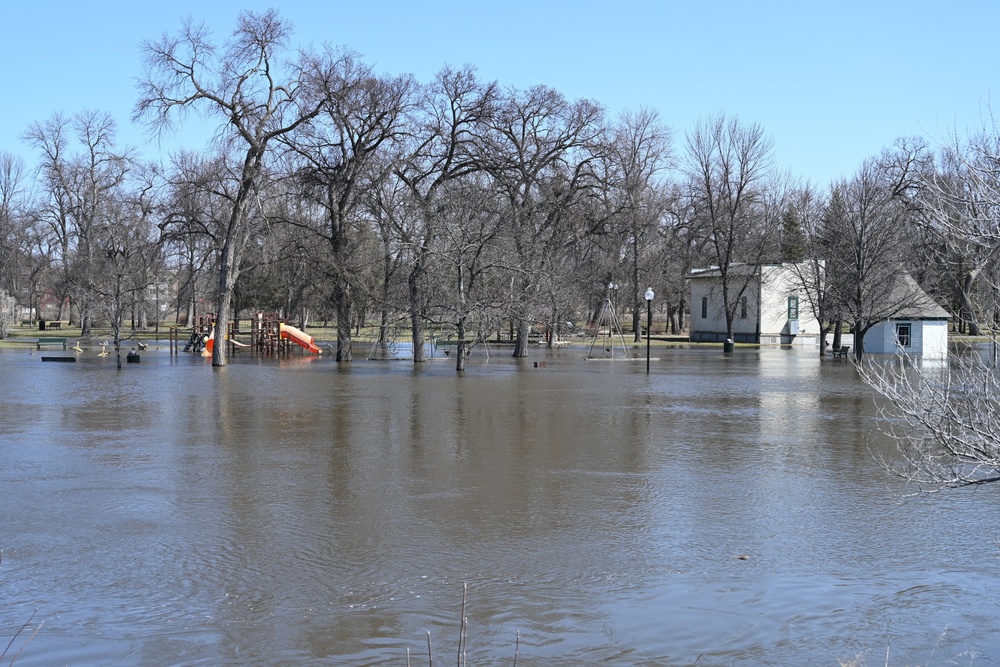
[{"x": 718, "y": 511}]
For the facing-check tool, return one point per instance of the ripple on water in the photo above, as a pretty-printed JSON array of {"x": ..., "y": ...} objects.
[{"x": 273, "y": 513}]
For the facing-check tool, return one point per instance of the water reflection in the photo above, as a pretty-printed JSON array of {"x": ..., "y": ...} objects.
[{"x": 297, "y": 512}]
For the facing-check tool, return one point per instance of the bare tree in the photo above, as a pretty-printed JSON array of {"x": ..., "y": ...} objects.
[
  {"x": 468, "y": 255},
  {"x": 448, "y": 127},
  {"x": 345, "y": 152},
  {"x": 640, "y": 152},
  {"x": 79, "y": 188},
  {"x": 242, "y": 85},
  {"x": 945, "y": 420},
  {"x": 13, "y": 217},
  {"x": 126, "y": 248},
  {"x": 729, "y": 165},
  {"x": 960, "y": 206},
  {"x": 540, "y": 152},
  {"x": 807, "y": 252},
  {"x": 387, "y": 206},
  {"x": 869, "y": 240},
  {"x": 196, "y": 211}
]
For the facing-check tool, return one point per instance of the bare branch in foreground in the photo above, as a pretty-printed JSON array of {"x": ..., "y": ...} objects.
[
  {"x": 17, "y": 634},
  {"x": 944, "y": 420}
]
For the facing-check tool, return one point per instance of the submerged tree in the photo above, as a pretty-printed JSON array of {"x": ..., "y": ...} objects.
[
  {"x": 540, "y": 152},
  {"x": 126, "y": 250},
  {"x": 804, "y": 243},
  {"x": 79, "y": 189},
  {"x": 342, "y": 154},
  {"x": 448, "y": 126},
  {"x": 467, "y": 254},
  {"x": 869, "y": 240},
  {"x": 640, "y": 151},
  {"x": 729, "y": 165},
  {"x": 243, "y": 86}
]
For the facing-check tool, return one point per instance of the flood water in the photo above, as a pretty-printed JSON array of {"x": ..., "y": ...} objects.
[{"x": 300, "y": 512}]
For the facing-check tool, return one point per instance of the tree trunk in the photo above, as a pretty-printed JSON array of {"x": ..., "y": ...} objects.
[
  {"x": 966, "y": 304},
  {"x": 823, "y": 332},
  {"x": 637, "y": 321},
  {"x": 342, "y": 303},
  {"x": 223, "y": 306},
  {"x": 838, "y": 326},
  {"x": 521, "y": 339},
  {"x": 383, "y": 324},
  {"x": 859, "y": 341},
  {"x": 460, "y": 350},
  {"x": 416, "y": 311}
]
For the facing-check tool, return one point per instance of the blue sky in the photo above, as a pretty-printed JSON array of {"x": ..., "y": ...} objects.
[{"x": 831, "y": 82}]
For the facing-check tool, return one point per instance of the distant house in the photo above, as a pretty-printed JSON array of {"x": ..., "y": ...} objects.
[
  {"x": 919, "y": 328},
  {"x": 772, "y": 310}
]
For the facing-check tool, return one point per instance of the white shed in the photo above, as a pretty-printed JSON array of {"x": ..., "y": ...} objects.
[{"x": 919, "y": 329}]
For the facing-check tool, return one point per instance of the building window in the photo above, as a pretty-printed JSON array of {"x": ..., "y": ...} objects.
[
  {"x": 743, "y": 308},
  {"x": 903, "y": 335},
  {"x": 704, "y": 307},
  {"x": 793, "y": 307}
]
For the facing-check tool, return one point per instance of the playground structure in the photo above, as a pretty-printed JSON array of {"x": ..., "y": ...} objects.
[
  {"x": 608, "y": 329},
  {"x": 269, "y": 336}
]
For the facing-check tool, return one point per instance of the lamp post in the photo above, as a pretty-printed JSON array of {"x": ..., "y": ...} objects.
[{"x": 649, "y": 321}]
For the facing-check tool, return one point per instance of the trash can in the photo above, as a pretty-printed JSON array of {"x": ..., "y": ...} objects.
[
  {"x": 41, "y": 325},
  {"x": 728, "y": 346}
]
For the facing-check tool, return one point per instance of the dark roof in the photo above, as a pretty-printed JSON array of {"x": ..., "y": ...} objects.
[{"x": 917, "y": 304}]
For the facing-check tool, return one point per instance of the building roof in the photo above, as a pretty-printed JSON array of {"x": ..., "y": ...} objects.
[
  {"x": 716, "y": 272},
  {"x": 916, "y": 303}
]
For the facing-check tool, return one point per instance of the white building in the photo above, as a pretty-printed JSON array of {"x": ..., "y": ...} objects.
[
  {"x": 919, "y": 329},
  {"x": 772, "y": 310}
]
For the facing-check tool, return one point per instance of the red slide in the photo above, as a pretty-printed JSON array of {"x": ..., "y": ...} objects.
[{"x": 300, "y": 337}]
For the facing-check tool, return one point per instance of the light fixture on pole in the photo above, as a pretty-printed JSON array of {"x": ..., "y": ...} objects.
[{"x": 649, "y": 321}]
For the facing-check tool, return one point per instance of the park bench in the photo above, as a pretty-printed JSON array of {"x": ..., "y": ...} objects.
[
  {"x": 53, "y": 325},
  {"x": 841, "y": 352},
  {"x": 51, "y": 341}
]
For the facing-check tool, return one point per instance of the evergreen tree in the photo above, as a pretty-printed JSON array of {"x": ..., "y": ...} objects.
[{"x": 793, "y": 240}]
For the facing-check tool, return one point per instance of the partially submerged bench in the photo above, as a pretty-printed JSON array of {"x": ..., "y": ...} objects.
[
  {"x": 43, "y": 341},
  {"x": 841, "y": 352}
]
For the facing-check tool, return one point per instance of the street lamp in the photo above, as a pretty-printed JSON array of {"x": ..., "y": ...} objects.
[{"x": 649, "y": 321}]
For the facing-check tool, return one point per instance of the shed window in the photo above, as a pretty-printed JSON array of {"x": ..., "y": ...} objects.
[
  {"x": 903, "y": 334},
  {"x": 704, "y": 307},
  {"x": 743, "y": 308}
]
